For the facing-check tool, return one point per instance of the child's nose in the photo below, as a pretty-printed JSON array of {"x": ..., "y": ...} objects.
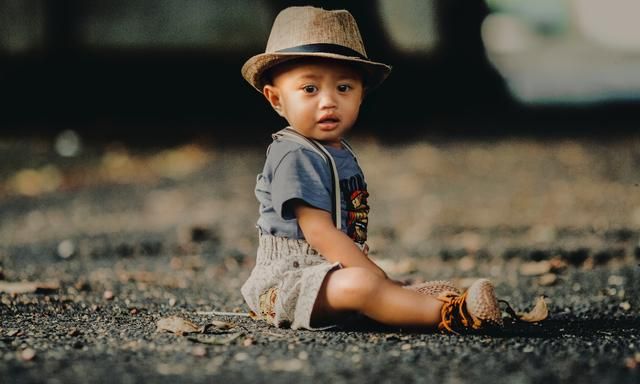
[{"x": 327, "y": 100}]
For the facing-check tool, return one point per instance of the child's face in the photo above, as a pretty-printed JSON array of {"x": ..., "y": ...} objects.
[{"x": 319, "y": 98}]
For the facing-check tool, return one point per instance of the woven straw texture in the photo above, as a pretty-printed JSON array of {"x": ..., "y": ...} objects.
[{"x": 298, "y": 26}]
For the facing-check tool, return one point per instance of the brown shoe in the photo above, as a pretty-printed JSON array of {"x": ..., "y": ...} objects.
[
  {"x": 474, "y": 309},
  {"x": 435, "y": 288}
]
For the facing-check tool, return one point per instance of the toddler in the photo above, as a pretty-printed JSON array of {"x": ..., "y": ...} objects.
[{"x": 312, "y": 265}]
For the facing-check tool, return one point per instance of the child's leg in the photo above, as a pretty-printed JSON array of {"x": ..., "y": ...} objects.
[{"x": 358, "y": 289}]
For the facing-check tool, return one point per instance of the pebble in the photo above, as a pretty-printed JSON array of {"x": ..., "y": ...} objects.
[
  {"x": 68, "y": 143},
  {"x": 535, "y": 268},
  {"x": 615, "y": 280},
  {"x": 199, "y": 351},
  {"x": 291, "y": 365},
  {"x": 28, "y": 354},
  {"x": 66, "y": 249},
  {"x": 107, "y": 295},
  {"x": 241, "y": 356},
  {"x": 547, "y": 279}
]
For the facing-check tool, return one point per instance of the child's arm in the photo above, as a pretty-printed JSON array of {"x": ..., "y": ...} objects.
[{"x": 320, "y": 232}]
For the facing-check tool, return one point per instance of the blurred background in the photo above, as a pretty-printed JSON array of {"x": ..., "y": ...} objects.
[
  {"x": 504, "y": 144},
  {"x": 154, "y": 69}
]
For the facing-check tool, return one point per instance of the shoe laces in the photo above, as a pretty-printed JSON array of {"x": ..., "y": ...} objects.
[{"x": 454, "y": 313}]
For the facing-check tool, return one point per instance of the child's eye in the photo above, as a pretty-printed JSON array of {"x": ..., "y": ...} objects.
[
  {"x": 310, "y": 88},
  {"x": 344, "y": 87}
]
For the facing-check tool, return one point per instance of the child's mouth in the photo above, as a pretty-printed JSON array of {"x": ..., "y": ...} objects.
[{"x": 328, "y": 122}]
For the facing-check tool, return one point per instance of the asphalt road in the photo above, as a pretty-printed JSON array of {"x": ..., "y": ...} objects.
[{"x": 117, "y": 237}]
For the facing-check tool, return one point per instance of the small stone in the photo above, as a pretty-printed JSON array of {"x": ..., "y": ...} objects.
[
  {"x": 175, "y": 263},
  {"x": 615, "y": 280},
  {"x": 73, "y": 332},
  {"x": 625, "y": 306},
  {"x": 292, "y": 365},
  {"x": 241, "y": 356},
  {"x": 528, "y": 349},
  {"x": 68, "y": 143},
  {"x": 535, "y": 268},
  {"x": 466, "y": 263},
  {"x": 66, "y": 249},
  {"x": 405, "y": 347},
  {"x": 133, "y": 311},
  {"x": 28, "y": 354},
  {"x": 13, "y": 332},
  {"x": 108, "y": 295},
  {"x": 547, "y": 279},
  {"x": 199, "y": 351},
  {"x": 248, "y": 342},
  {"x": 172, "y": 302}
]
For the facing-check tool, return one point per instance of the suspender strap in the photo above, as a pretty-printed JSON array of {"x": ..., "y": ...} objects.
[{"x": 292, "y": 135}]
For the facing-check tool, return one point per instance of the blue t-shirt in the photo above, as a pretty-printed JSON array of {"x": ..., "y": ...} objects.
[{"x": 293, "y": 171}]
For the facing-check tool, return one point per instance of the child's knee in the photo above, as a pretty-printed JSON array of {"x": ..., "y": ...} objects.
[{"x": 356, "y": 284}]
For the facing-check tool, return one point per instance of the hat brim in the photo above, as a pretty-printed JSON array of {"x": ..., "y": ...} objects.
[{"x": 254, "y": 68}]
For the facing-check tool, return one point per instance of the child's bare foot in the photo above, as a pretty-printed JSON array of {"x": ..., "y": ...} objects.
[{"x": 474, "y": 309}]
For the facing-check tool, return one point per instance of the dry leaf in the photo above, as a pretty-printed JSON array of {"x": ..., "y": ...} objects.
[
  {"x": 537, "y": 314},
  {"x": 177, "y": 325},
  {"x": 28, "y": 286}
]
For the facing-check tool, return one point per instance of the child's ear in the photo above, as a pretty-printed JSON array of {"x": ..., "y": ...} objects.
[{"x": 272, "y": 94}]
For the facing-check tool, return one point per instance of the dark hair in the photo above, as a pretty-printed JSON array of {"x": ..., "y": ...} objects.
[{"x": 267, "y": 75}]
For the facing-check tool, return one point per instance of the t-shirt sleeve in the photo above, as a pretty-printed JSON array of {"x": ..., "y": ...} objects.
[{"x": 301, "y": 174}]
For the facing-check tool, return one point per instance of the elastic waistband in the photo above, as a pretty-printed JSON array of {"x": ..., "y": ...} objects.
[{"x": 273, "y": 247}]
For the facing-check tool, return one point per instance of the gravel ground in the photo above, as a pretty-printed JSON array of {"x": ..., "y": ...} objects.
[{"x": 117, "y": 237}]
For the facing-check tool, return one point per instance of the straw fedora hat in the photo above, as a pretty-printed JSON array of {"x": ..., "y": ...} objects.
[{"x": 313, "y": 32}]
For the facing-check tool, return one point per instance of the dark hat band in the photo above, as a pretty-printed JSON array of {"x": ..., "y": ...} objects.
[{"x": 324, "y": 48}]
